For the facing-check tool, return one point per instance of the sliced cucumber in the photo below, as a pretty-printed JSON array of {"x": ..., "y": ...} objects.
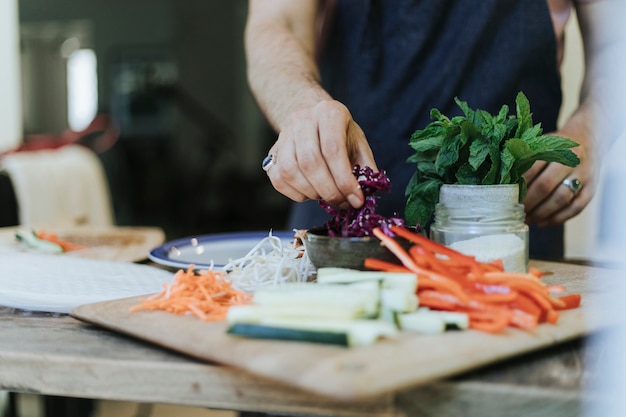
[
  {"x": 422, "y": 322},
  {"x": 454, "y": 320},
  {"x": 256, "y": 313},
  {"x": 362, "y": 295},
  {"x": 429, "y": 321},
  {"x": 398, "y": 300},
  {"x": 330, "y": 275},
  {"x": 259, "y": 331},
  {"x": 389, "y": 316},
  {"x": 358, "y": 332}
]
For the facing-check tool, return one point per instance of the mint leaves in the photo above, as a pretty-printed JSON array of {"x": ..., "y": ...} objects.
[{"x": 478, "y": 148}]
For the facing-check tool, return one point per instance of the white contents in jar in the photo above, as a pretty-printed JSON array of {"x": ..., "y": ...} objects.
[{"x": 508, "y": 247}]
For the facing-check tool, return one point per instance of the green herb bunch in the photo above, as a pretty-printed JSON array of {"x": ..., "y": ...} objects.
[{"x": 478, "y": 148}]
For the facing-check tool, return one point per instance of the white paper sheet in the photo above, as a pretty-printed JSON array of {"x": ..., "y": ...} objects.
[{"x": 57, "y": 284}]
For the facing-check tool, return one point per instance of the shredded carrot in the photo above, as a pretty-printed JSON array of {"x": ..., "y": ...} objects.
[
  {"x": 54, "y": 238},
  {"x": 492, "y": 298},
  {"x": 207, "y": 295}
]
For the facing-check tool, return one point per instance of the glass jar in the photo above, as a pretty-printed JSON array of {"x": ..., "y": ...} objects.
[{"x": 488, "y": 229}]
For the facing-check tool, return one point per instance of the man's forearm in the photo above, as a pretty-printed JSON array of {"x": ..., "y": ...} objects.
[
  {"x": 282, "y": 72},
  {"x": 603, "y": 95}
]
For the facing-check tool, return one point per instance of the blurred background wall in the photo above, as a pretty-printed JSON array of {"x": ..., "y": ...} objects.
[
  {"x": 172, "y": 76},
  {"x": 10, "y": 96}
]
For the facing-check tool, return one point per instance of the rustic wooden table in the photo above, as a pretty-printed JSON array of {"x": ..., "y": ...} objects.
[
  {"x": 65, "y": 357},
  {"x": 61, "y": 356}
]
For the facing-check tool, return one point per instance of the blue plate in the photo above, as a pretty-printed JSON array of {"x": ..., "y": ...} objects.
[{"x": 200, "y": 251}]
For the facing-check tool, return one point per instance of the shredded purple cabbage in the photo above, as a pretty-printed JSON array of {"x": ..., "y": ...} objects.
[{"x": 361, "y": 222}]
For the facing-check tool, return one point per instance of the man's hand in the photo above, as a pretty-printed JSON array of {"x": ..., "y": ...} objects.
[{"x": 315, "y": 153}]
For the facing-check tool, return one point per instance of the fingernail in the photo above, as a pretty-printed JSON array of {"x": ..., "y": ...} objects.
[{"x": 354, "y": 200}]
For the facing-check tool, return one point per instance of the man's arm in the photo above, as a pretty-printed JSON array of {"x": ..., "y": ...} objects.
[
  {"x": 595, "y": 123},
  {"x": 318, "y": 141},
  {"x": 280, "y": 50}
]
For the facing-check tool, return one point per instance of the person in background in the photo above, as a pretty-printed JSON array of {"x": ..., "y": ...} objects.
[{"x": 347, "y": 82}]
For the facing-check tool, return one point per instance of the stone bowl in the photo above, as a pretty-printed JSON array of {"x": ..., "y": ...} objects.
[{"x": 345, "y": 252}]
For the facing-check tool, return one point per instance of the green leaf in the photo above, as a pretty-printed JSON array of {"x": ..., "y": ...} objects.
[
  {"x": 565, "y": 157},
  {"x": 511, "y": 127},
  {"x": 478, "y": 148},
  {"x": 496, "y": 132},
  {"x": 530, "y": 134},
  {"x": 503, "y": 114},
  {"x": 486, "y": 117},
  {"x": 412, "y": 185},
  {"x": 424, "y": 156},
  {"x": 427, "y": 169},
  {"x": 467, "y": 111},
  {"x": 491, "y": 177},
  {"x": 428, "y": 143},
  {"x": 524, "y": 117},
  {"x": 522, "y": 187},
  {"x": 413, "y": 158},
  {"x": 466, "y": 175},
  {"x": 469, "y": 131},
  {"x": 449, "y": 152},
  {"x": 420, "y": 205},
  {"x": 515, "y": 150},
  {"x": 507, "y": 160},
  {"x": 435, "y": 114},
  {"x": 478, "y": 153},
  {"x": 525, "y": 156},
  {"x": 550, "y": 142},
  {"x": 518, "y": 148}
]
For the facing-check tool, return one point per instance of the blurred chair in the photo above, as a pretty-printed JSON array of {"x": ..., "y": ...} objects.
[
  {"x": 58, "y": 179},
  {"x": 8, "y": 203}
]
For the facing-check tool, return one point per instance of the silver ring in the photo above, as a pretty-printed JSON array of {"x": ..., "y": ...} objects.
[
  {"x": 268, "y": 162},
  {"x": 574, "y": 185}
]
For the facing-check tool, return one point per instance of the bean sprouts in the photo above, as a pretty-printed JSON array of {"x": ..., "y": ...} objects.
[{"x": 270, "y": 262}]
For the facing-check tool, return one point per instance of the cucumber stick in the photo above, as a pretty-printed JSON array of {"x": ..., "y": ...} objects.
[
  {"x": 256, "y": 313},
  {"x": 396, "y": 299},
  {"x": 432, "y": 321},
  {"x": 345, "y": 307},
  {"x": 259, "y": 331},
  {"x": 422, "y": 322},
  {"x": 400, "y": 280},
  {"x": 30, "y": 239},
  {"x": 362, "y": 296},
  {"x": 459, "y": 321},
  {"x": 355, "y": 332}
]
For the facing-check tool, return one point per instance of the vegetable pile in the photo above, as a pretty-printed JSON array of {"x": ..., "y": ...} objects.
[
  {"x": 361, "y": 222},
  {"x": 492, "y": 298},
  {"x": 45, "y": 241},
  {"x": 207, "y": 295},
  {"x": 316, "y": 313},
  {"x": 279, "y": 264},
  {"x": 478, "y": 148},
  {"x": 433, "y": 289}
]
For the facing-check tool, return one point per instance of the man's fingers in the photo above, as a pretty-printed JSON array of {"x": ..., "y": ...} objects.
[{"x": 334, "y": 125}]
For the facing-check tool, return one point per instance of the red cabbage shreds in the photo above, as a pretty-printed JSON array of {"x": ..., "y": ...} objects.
[{"x": 361, "y": 222}]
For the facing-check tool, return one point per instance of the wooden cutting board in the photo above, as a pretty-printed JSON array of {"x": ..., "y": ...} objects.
[
  {"x": 354, "y": 373},
  {"x": 115, "y": 243}
]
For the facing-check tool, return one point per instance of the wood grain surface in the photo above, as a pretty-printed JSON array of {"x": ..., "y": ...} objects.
[
  {"x": 116, "y": 243},
  {"x": 350, "y": 374},
  {"x": 61, "y": 356}
]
